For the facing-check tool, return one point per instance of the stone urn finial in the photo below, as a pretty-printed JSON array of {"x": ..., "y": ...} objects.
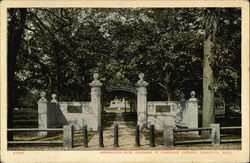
[
  {"x": 192, "y": 94},
  {"x": 141, "y": 82},
  {"x": 141, "y": 76},
  {"x": 95, "y": 82},
  {"x": 42, "y": 94},
  {"x": 95, "y": 76},
  {"x": 53, "y": 98}
]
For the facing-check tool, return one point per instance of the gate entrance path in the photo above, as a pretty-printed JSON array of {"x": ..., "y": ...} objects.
[{"x": 126, "y": 137}]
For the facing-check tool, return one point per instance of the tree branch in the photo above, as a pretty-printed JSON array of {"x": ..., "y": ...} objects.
[
  {"x": 231, "y": 68},
  {"x": 163, "y": 86},
  {"x": 54, "y": 14},
  {"x": 40, "y": 22}
]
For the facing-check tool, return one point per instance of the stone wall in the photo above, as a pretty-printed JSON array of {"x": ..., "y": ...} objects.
[
  {"x": 79, "y": 119},
  {"x": 178, "y": 114},
  {"x": 57, "y": 114},
  {"x": 161, "y": 113},
  {"x": 172, "y": 113}
]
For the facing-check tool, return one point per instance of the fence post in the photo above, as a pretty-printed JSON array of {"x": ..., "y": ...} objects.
[
  {"x": 137, "y": 136},
  {"x": 68, "y": 134},
  {"x": 100, "y": 130},
  {"x": 152, "y": 136},
  {"x": 116, "y": 144},
  {"x": 215, "y": 133},
  {"x": 168, "y": 135},
  {"x": 85, "y": 136}
]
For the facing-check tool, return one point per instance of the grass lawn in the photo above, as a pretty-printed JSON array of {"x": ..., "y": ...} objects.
[
  {"x": 25, "y": 118},
  {"x": 28, "y": 118}
]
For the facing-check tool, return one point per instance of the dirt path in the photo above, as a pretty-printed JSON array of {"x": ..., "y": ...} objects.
[{"x": 126, "y": 137}]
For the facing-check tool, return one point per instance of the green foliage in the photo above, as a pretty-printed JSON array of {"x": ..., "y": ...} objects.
[
  {"x": 62, "y": 48},
  {"x": 227, "y": 61}
]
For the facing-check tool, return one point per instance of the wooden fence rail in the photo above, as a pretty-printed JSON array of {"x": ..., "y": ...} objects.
[
  {"x": 192, "y": 129},
  {"x": 230, "y": 128},
  {"x": 215, "y": 136},
  {"x": 168, "y": 135},
  {"x": 67, "y": 130},
  {"x": 192, "y": 141},
  {"x": 34, "y": 142},
  {"x": 34, "y": 129},
  {"x": 231, "y": 140}
]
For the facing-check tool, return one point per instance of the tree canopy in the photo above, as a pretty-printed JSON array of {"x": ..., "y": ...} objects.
[{"x": 61, "y": 48}]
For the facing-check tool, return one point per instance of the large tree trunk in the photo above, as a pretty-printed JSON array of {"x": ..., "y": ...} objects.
[
  {"x": 15, "y": 32},
  {"x": 208, "y": 116}
]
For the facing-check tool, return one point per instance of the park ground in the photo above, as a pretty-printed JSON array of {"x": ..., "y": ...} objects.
[{"x": 27, "y": 118}]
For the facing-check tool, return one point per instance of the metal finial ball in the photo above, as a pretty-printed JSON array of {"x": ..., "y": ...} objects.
[
  {"x": 95, "y": 76},
  {"x": 141, "y": 76},
  {"x": 43, "y": 94}
]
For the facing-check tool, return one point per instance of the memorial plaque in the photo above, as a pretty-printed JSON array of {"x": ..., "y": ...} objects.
[
  {"x": 74, "y": 109},
  {"x": 163, "y": 108}
]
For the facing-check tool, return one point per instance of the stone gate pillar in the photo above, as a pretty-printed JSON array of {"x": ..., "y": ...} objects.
[
  {"x": 96, "y": 99},
  {"x": 142, "y": 102},
  {"x": 190, "y": 116},
  {"x": 42, "y": 114}
]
